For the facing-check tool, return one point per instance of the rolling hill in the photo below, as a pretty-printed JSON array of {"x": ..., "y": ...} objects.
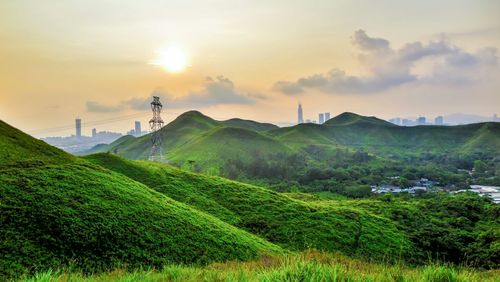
[
  {"x": 63, "y": 211},
  {"x": 289, "y": 223},
  {"x": 195, "y": 137},
  {"x": 21, "y": 150},
  {"x": 103, "y": 211}
]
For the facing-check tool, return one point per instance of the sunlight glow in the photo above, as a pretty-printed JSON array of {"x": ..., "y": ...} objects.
[{"x": 173, "y": 59}]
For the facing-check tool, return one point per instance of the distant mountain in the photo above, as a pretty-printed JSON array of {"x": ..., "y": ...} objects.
[
  {"x": 348, "y": 118},
  {"x": 249, "y": 124},
  {"x": 194, "y": 137}
]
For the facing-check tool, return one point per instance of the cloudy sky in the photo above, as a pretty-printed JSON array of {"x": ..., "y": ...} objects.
[{"x": 249, "y": 59}]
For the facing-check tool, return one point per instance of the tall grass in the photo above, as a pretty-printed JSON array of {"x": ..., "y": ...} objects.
[{"x": 306, "y": 266}]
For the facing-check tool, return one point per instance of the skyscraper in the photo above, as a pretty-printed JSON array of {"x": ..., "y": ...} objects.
[
  {"x": 300, "y": 115},
  {"x": 439, "y": 120},
  {"x": 94, "y": 132},
  {"x": 78, "y": 125},
  {"x": 421, "y": 121},
  {"x": 327, "y": 117},
  {"x": 321, "y": 118},
  {"x": 138, "y": 130}
]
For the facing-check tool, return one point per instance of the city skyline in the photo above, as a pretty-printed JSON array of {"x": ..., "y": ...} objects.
[{"x": 252, "y": 60}]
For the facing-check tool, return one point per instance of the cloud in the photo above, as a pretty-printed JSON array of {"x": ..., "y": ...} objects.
[
  {"x": 216, "y": 91},
  {"x": 365, "y": 42},
  {"x": 387, "y": 67},
  {"x": 95, "y": 107},
  {"x": 287, "y": 87}
]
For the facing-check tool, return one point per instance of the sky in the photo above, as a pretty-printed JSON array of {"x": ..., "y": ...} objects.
[{"x": 97, "y": 60}]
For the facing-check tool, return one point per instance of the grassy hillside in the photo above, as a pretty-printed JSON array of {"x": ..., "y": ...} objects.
[
  {"x": 22, "y": 150},
  {"x": 249, "y": 124},
  {"x": 71, "y": 212},
  {"x": 292, "y": 224},
  {"x": 307, "y": 266},
  {"x": 348, "y": 118},
  {"x": 213, "y": 148}
]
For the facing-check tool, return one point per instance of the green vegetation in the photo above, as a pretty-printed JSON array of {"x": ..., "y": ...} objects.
[
  {"x": 345, "y": 155},
  {"x": 20, "y": 150},
  {"x": 292, "y": 224},
  {"x": 75, "y": 213},
  {"x": 463, "y": 229},
  {"x": 307, "y": 266},
  {"x": 91, "y": 215}
]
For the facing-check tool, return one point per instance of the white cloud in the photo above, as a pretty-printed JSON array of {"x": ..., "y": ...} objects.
[
  {"x": 216, "y": 91},
  {"x": 387, "y": 67}
]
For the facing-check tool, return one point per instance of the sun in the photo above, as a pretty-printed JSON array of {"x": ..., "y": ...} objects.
[{"x": 173, "y": 59}]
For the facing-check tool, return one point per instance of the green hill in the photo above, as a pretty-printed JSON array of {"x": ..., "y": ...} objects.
[
  {"x": 185, "y": 128},
  {"x": 215, "y": 147},
  {"x": 249, "y": 124},
  {"x": 21, "y": 150},
  {"x": 66, "y": 211},
  {"x": 290, "y": 223},
  {"x": 348, "y": 118},
  {"x": 196, "y": 137}
]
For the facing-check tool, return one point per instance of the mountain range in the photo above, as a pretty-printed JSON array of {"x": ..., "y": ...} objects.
[{"x": 196, "y": 138}]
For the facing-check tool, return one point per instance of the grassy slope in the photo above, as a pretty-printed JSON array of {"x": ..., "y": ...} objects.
[
  {"x": 213, "y": 148},
  {"x": 249, "y": 124},
  {"x": 74, "y": 212},
  {"x": 290, "y": 223},
  {"x": 17, "y": 149}
]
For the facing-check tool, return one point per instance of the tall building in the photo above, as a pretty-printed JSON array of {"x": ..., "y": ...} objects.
[
  {"x": 138, "y": 130},
  {"x": 300, "y": 114},
  {"x": 439, "y": 120},
  {"x": 321, "y": 118},
  {"x": 495, "y": 117},
  {"x": 78, "y": 125},
  {"x": 421, "y": 121},
  {"x": 94, "y": 132},
  {"x": 327, "y": 117}
]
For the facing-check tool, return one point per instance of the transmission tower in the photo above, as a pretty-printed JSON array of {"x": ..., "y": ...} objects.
[{"x": 156, "y": 124}]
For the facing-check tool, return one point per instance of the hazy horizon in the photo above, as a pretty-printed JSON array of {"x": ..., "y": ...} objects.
[{"x": 252, "y": 60}]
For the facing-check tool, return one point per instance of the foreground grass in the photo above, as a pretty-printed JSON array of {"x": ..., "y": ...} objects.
[{"x": 306, "y": 266}]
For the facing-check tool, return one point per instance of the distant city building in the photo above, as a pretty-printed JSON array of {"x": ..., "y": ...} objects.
[
  {"x": 74, "y": 144},
  {"x": 396, "y": 121},
  {"x": 439, "y": 120},
  {"x": 327, "y": 117},
  {"x": 321, "y": 118},
  {"x": 308, "y": 121},
  {"x": 495, "y": 117},
  {"x": 138, "y": 130},
  {"x": 300, "y": 114},
  {"x": 78, "y": 127},
  {"x": 131, "y": 132},
  {"x": 407, "y": 122},
  {"x": 421, "y": 121}
]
